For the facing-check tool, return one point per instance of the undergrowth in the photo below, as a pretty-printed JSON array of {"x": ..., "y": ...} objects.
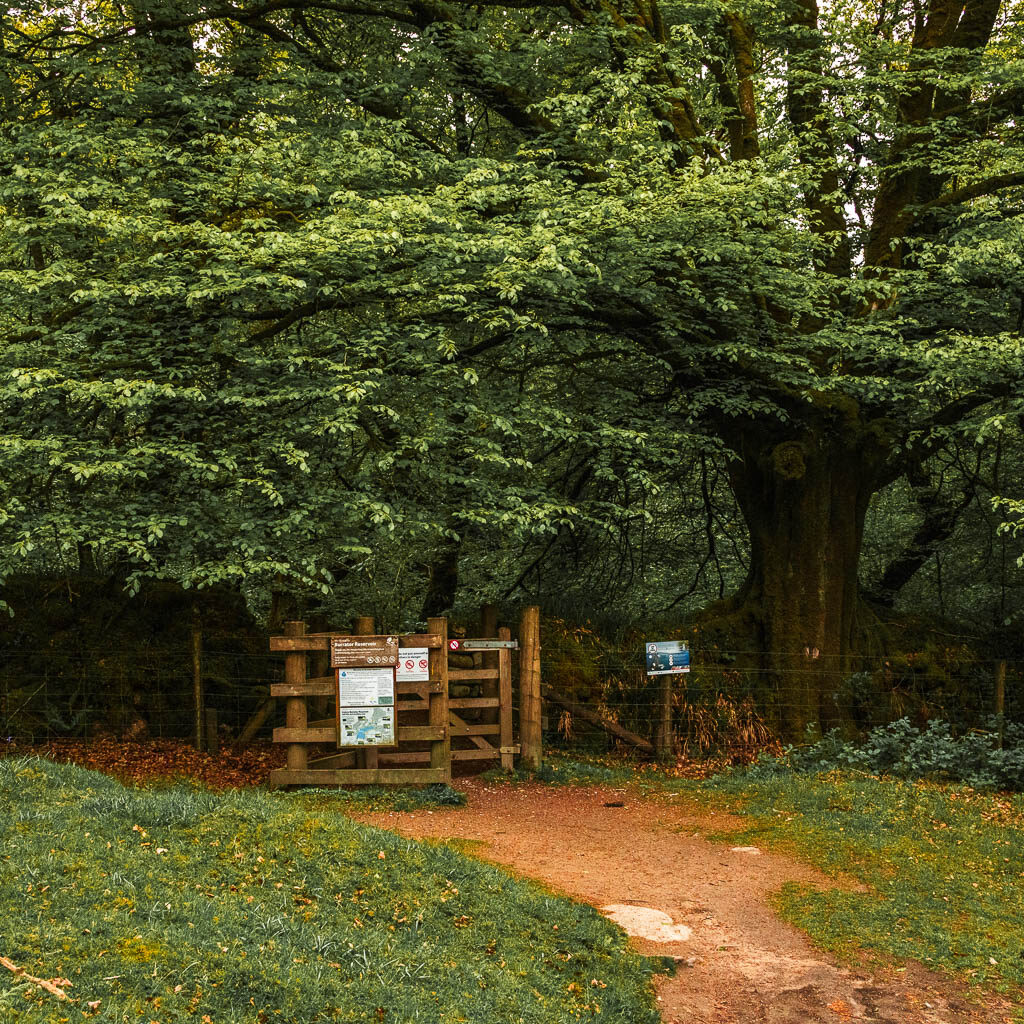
[
  {"x": 983, "y": 759},
  {"x": 249, "y": 908}
]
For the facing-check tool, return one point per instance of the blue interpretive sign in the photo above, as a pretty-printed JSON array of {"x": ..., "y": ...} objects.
[{"x": 666, "y": 656}]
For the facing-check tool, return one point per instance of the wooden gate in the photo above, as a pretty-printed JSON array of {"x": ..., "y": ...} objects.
[{"x": 433, "y": 728}]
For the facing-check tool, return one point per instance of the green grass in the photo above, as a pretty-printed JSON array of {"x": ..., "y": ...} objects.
[
  {"x": 944, "y": 866},
  {"x": 386, "y": 798},
  {"x": 249, "y": 908}
]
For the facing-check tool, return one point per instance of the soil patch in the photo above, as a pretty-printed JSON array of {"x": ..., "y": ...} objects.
[{"x": 741, "y": 964}]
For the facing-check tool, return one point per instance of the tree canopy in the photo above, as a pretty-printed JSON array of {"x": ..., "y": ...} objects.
[{"x": 293, "y": 291}]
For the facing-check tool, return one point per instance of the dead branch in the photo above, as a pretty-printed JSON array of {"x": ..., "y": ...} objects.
[{"x": 55, "y": 987}]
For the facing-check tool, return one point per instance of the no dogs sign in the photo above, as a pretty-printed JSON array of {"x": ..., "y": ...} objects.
[{"x": 413, "y": 665}]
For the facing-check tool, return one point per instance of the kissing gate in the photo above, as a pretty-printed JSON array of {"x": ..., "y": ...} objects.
[{"x": 417, "y": 713}]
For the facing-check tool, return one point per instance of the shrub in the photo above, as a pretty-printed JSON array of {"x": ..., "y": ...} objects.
[{"x": 902, "y": 750}]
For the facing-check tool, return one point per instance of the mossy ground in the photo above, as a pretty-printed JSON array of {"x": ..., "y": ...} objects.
[
  {"x": 249, "y": 908},
  {"x": 943, "y": 867}
]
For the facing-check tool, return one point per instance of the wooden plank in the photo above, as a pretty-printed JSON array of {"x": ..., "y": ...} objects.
[
  {"x": 458, "y": 723},
  {"x": 405, "y": 756},
  {"x": 473, "y": 702},
  {"x": 299, "y": 643},
  {"x": 358, "y": 776},
  {"x": 472, "y": 673},
  {"x": 345, "y": 759},
  {"x": 475, "y": 754},
  {"x": 330, "y": 681},
  {"x": 421, "y": 687},
  {"x": 321, "y": 641},
  {"x": 404, "y": 640},
  {"x": 475, "y": 728},
  {"x": 315, "y": 687},
  {"x": 422, "y": 733},
  {"x": 323, "y": 723},
  {"x": 420, "y": 640},
  {"x": 307, "y": 735},
  {"x": 411, "y": 705},
  {"x": 324, "y": 734},
  {"x": 326, "y": 686}
]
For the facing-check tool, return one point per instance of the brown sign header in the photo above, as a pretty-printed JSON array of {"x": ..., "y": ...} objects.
[{"x": 364, "y": 651}]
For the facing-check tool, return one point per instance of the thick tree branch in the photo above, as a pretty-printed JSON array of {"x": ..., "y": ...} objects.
[{"x": 985, "y": 187}]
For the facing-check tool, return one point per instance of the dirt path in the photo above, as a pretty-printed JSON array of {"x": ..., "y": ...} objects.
[{"x": 745, "y": 965}]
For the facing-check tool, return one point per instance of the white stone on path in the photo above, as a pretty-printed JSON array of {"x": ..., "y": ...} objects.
[
  {"x": 646, "y": 923},
  {"x": 745, "y": 849}
]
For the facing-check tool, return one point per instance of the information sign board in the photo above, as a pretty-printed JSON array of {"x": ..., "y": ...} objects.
[
  {"x": 370, "y": 651},
  {"x": 366, "y": 727},
  {"x": 366, "y": 687},
  {"x": 413, "y": 665},
  {"x": 666, "y": 656}
]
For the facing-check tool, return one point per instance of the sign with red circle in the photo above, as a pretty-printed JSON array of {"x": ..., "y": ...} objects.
[
  {"x": 453, "y": 645},
  {"x": 413, "y": 665}
]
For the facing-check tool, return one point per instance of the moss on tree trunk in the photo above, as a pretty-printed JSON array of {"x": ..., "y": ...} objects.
[{"x": 804, "y": 499}]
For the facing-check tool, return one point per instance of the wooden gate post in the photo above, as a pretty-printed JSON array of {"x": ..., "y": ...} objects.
[
  {"x": 505, "y": 701},
  {"x": 368, "y": 757},
  {"x": 489, "y": 659},
  {"x": 529, "y": 687},
  {"x": 488, "y": 620},
  {"x": 295, "y": 707},
  {"x": 440, "y": 750}
]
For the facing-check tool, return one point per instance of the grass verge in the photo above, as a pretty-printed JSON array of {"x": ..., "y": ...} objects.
[
  {"x": 250, "y": 908},
  {"x": 944, "y": 866}
]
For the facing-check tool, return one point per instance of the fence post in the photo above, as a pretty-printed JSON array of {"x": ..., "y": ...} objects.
[
  {"x": 367, "y": 757},
  {"x": 1001, "y": 700},
  {"x": 295, "y": 707},
  {"x": 489, "y": 659},
  {"x": 440, "y": 750},
  {"x": 505, "y": 701},
  {"x": 529, "y": 687},
  {"x": 212, "y": 737},
  {"x": 197, "y": 675}
]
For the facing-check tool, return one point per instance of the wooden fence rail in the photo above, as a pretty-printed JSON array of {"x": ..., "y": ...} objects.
[{"x": 433, "y": 728}]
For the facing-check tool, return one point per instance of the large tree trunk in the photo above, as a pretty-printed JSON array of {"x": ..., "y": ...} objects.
[{"x": 804, "y": 499}]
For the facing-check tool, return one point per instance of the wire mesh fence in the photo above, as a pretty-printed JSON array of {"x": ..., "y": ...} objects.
[
  {"x": 132, "y": 691},
  {"x": 736, "y": 701},
  {"x": 739, "y": 701}
]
